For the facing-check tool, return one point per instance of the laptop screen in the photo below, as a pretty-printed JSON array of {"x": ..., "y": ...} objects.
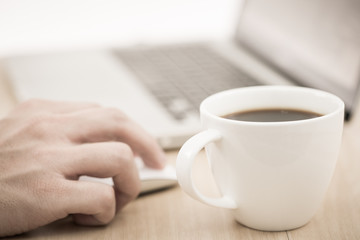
[{"x": 317, "y": 42}]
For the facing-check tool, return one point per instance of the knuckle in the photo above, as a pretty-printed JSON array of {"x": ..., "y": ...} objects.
[
  {"x": 135, "y": 190},
  {"x": 123, "y": 154},
  {"x": 131, "y": 193},
  {"x": 127, "y": 153},
  {"x": 47, "y": 192},
  {"x": 46, "y": 157},
  {"x": 126, "y": 196},
  {"x": 121, "y": 149},
  {"x": 50, "y": 190},
  {"x": 116, "y": 114},
  {"x": 40, "y": 154},
  {"x": 41, "y": 125},
  {"x": 107, "y": 199}
]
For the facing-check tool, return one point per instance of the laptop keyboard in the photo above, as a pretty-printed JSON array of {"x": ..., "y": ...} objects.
[{"x": 181, "y": 77}]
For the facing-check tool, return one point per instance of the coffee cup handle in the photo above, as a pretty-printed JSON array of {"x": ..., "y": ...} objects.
[{"x": 184, "y": 163}]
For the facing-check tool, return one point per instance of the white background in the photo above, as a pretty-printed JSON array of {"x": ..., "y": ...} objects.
[{"x": 40, "y": 25}]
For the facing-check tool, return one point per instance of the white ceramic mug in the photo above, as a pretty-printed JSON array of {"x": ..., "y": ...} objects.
[{"x": 273, "y": 175}]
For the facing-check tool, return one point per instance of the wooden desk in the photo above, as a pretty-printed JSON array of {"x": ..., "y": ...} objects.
[{"x": 171, "y": 214}]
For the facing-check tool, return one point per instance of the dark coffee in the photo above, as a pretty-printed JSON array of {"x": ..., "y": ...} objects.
[{"x": 272, "y": 115}]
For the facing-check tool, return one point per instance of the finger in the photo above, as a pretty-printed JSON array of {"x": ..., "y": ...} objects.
[
  {"x": 36, "y": 105},
  {"x": 104, "y": 124},
  {"x": 91, "y": 203},
  {"x": 108, "y": 159},
  {"x": 96, "y": 203},
  {"x": 127, "y": 187},
  {"x": 105, "y": 159}
]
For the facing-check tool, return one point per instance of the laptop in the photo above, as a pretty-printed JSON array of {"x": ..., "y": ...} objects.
[{"x": 284, "y": 42}]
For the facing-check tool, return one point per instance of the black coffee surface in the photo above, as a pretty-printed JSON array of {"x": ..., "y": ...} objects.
[{"x": 272, "y": 115}]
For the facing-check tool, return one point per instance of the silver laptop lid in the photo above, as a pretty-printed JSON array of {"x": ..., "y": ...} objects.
[{"x": 315, "y": 42}]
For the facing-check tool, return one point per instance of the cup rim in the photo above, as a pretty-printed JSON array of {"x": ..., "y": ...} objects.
[{"x": 339, "y": 108}]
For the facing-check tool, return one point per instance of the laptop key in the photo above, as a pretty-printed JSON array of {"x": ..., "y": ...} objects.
[{"x": 180, "y": 77}]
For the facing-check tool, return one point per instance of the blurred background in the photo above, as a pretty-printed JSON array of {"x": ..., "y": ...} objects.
[
  {"x": 315, "y": 43},
  {"x": 28, "y": 26}
]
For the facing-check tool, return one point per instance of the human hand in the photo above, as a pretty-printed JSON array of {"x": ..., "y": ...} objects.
[{"x": 46, "y": 146}]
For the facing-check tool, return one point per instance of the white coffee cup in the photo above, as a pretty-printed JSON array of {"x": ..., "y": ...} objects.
[{"x": 273, "y": 175}]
